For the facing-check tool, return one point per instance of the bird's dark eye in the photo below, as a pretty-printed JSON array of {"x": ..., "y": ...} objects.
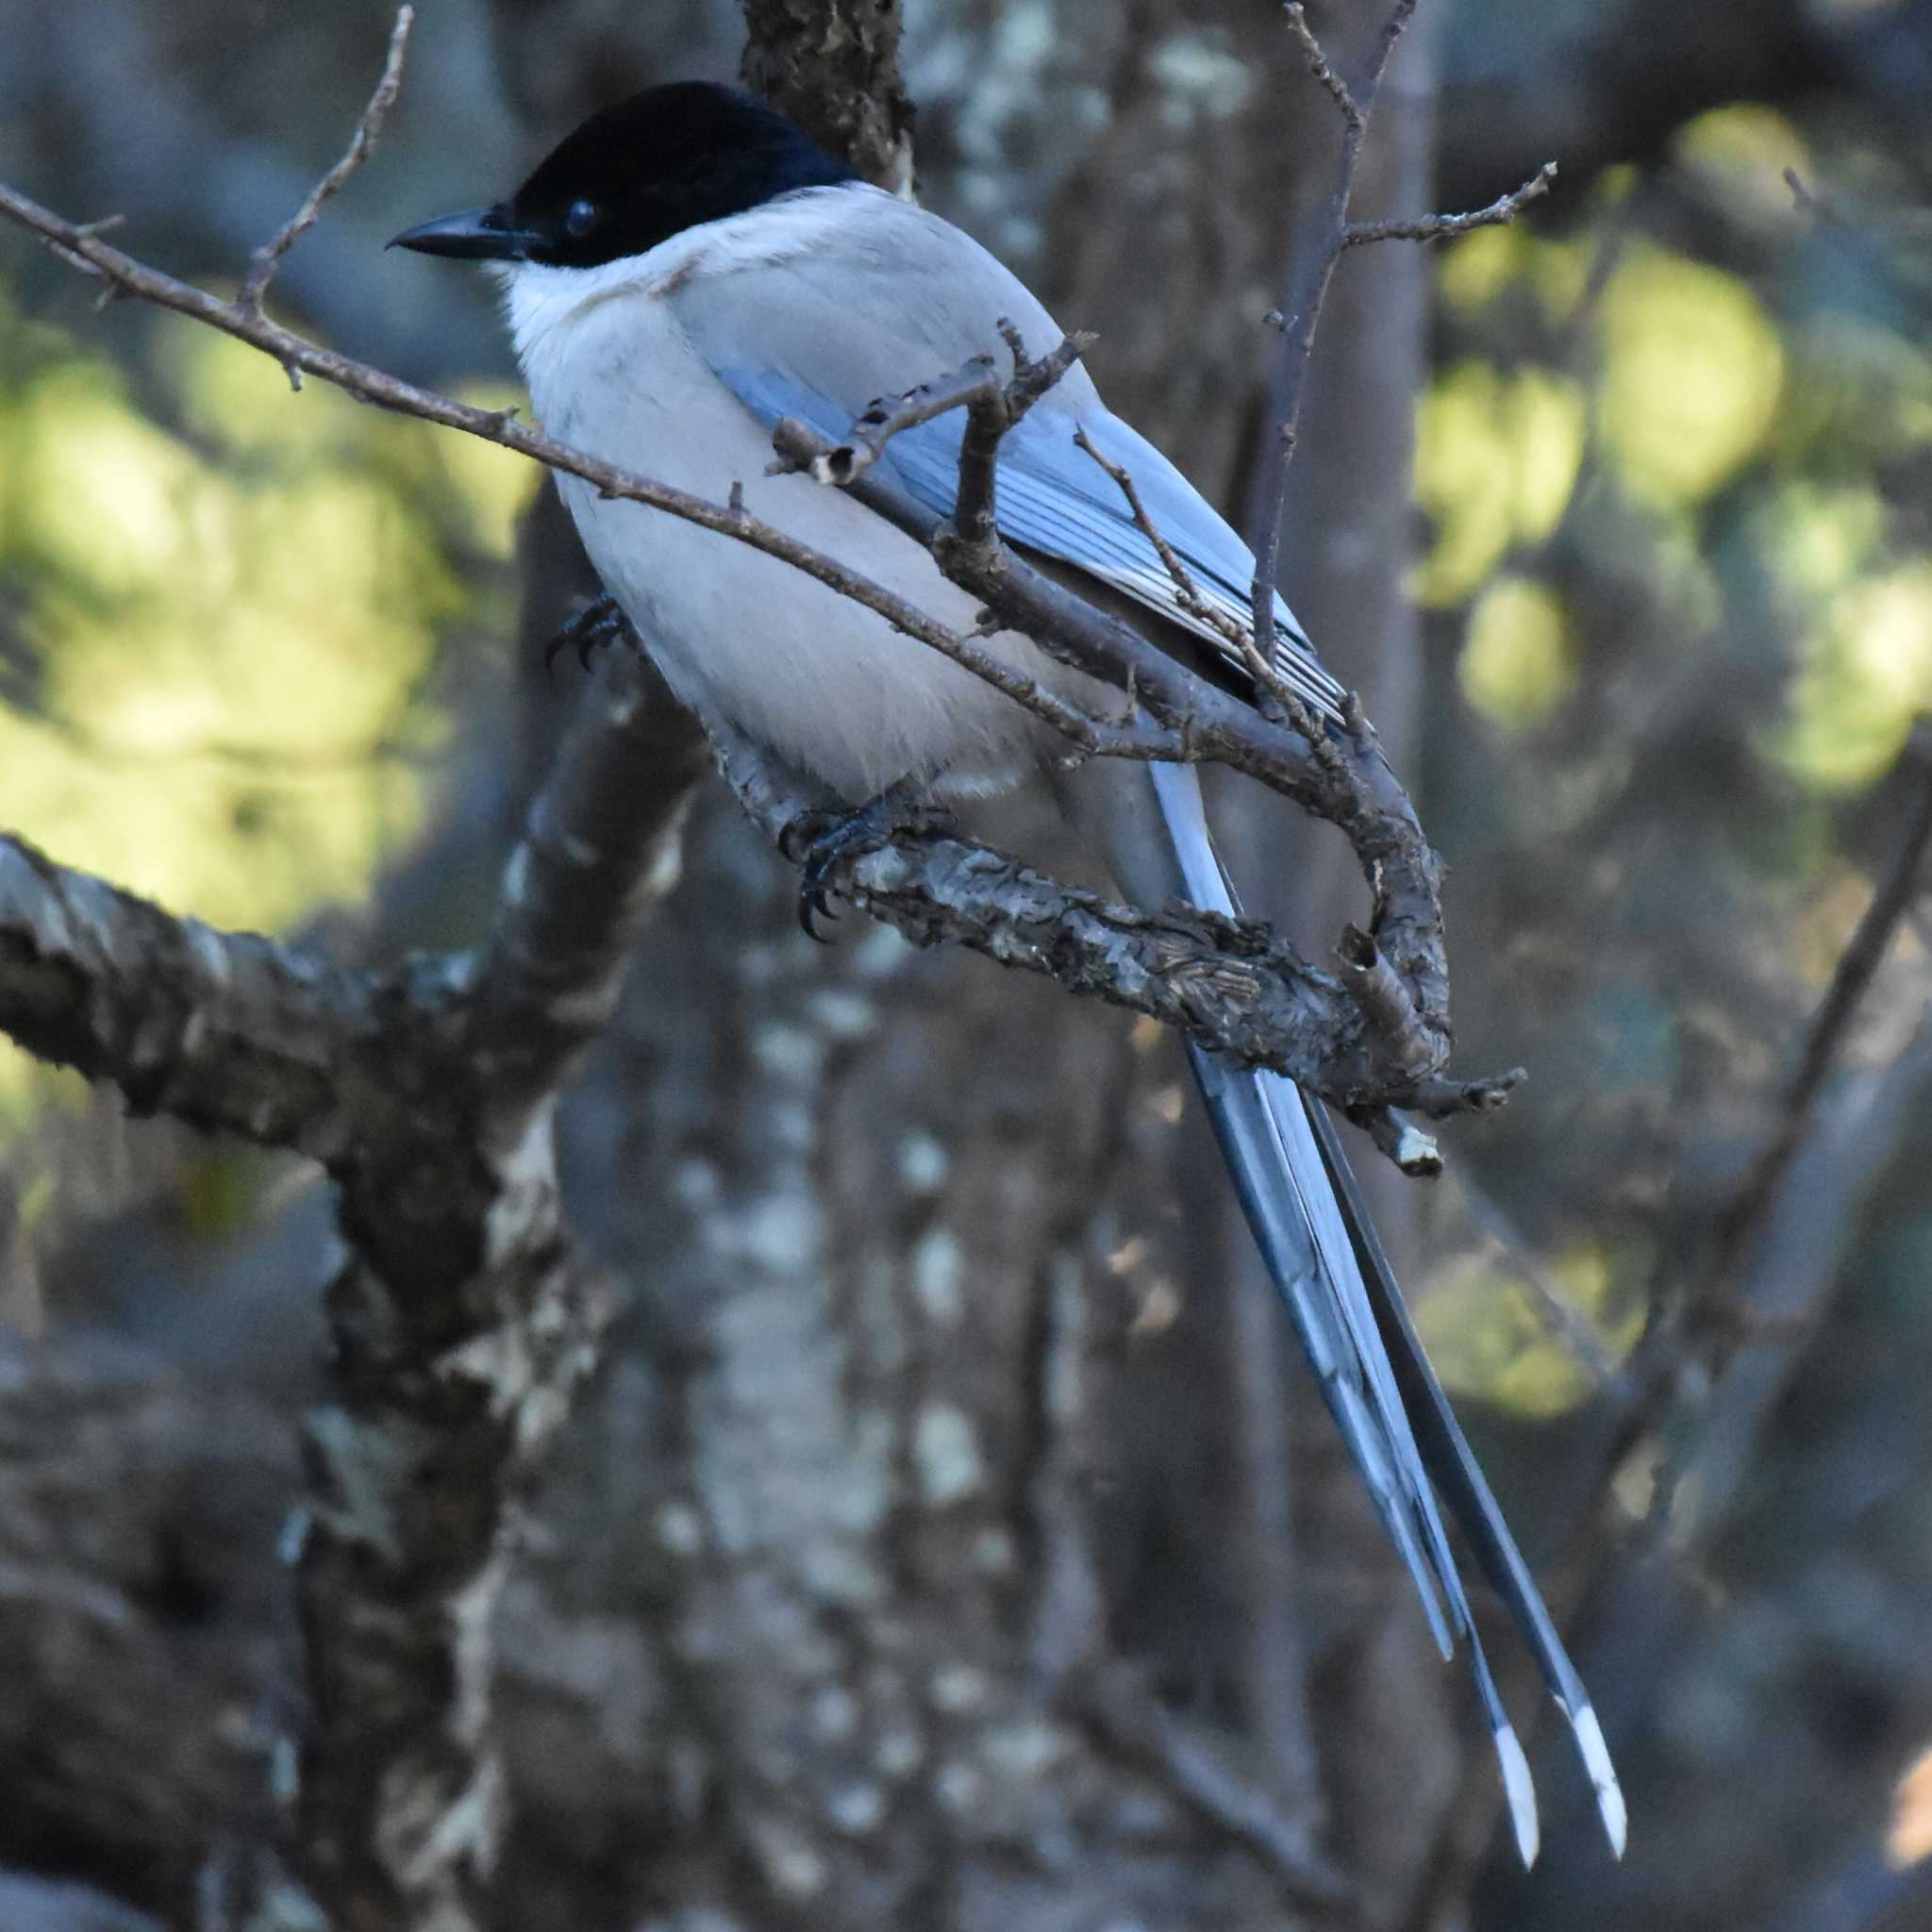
[{"x": 582, "y": 218}]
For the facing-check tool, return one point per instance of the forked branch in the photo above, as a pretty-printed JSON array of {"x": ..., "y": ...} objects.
[{"x": 268, "y": 258}]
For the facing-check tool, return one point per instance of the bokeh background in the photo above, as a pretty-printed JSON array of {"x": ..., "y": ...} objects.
[{"x": 948, "y": 1500}]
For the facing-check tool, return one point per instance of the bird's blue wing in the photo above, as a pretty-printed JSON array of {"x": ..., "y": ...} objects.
[{"x": 1053, "y": 497}]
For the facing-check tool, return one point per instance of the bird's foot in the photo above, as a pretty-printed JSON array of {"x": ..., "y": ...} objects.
[
  {"x": 820, "y": 841},
  {"x": 597, "y": 623}
]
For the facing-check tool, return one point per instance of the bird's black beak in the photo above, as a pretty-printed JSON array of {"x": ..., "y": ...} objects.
[{"x": 478, "y": 234}]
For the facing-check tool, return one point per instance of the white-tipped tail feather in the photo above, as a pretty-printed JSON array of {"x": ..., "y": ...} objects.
[
  {"x": 1321, "y": 1250},
  {"x": 1603, "y": 1776},
  {"x": 1519, "y": 1789}
]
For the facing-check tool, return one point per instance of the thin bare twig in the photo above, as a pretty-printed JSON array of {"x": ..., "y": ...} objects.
[
  {"x": 1329, "y": 236},
  {"x": 1740, "y": 1230},
  {"x": 1187, "y": 592},
  {"x": 1442, "y": 1100},
  {"x": 1904, "y": 224},
  {"x": 865, "y": 442},
  {"x": 1565, "y": 1321},
  {"x": 989, "y": 417},
  {"x": 1308, "y": 287},
  {"x": 268, "y": 258},
  {"x": 1506, "y": 208},
  {"x": 1198, "y": 1769},
  {"x": 1185, "y": 587},
  {"x": 1393, "y": 30},
  {"x": 993, "y": 406},
  {"x": 1354, "y": 116},
  {"x": 1291, "y": 707},
  {"x": 1805, "y": 203}
]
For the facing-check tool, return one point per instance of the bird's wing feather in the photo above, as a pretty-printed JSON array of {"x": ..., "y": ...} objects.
[{"x": 901, "y": 299}]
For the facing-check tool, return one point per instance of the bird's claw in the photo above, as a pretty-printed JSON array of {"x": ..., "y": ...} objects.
[
  {"x": 821, "y": 840},
  {"x": 816, "y": 841},
  {"x": 597, "y": 623}
]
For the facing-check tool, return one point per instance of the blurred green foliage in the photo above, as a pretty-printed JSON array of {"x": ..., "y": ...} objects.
[
  {"x": 1675, "y": 459},
  {"x": 222, "y": 613},
  {"x": 1668, "y": 382},
  {"x": 1487, "y": 1338}
]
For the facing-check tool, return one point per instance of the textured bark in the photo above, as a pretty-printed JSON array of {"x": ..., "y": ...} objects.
[
  {"x": 141, "y": 1614},
  {"x": 833, "y": 66},
  {"x": 460, "y": 1321},
  {"x": 461, "y": 1316}
]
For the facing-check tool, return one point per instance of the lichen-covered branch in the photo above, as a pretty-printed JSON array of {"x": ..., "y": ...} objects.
[
  {"x": 1233, "y": 985},
  {"x": 229, "y": 1032},
  {"x": 462, "y": 1316},
  {"x": 461, "y": 1320}
]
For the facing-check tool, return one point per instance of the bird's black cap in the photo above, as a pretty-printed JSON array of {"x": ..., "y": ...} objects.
[{"x": 637, "y": 174}]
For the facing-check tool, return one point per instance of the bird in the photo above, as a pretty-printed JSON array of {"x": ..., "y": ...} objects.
[{"x": 686, "y": 270}]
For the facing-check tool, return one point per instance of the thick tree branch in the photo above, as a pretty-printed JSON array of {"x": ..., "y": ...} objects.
[
  {"x": 234, "y": 1033},
  {"x": 1232, "y": 984},
  {"x": 601, "y": 846},
  {"x": 229, "y": 1032},
  {"x": 460, "y": 1321},
  {"x": 461, "y": 1318}
]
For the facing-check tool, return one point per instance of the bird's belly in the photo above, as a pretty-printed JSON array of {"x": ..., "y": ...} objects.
[{"x": 826, "y": 683}]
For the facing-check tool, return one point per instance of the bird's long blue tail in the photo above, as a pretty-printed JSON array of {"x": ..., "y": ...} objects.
[{"x": 1320, "y": 1249}]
